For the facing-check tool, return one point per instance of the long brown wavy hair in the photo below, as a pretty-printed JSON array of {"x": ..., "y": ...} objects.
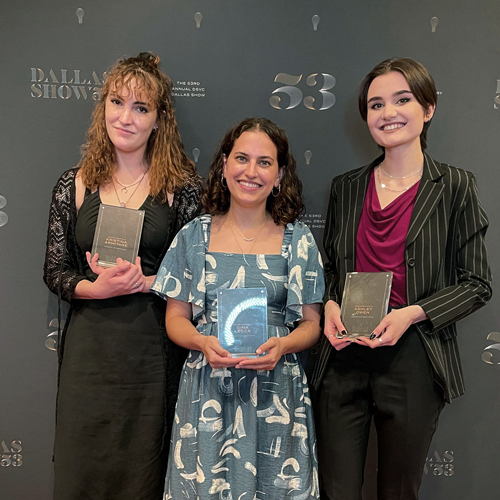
[
  {"x": 169, "y": 167},
  {"x": 284, "y": 208}
]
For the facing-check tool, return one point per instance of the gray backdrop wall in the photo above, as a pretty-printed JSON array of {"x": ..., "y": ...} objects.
[{"x": 297, "y": 62}]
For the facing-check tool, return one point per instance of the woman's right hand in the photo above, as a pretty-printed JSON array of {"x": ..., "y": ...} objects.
[
  {"x": 334, "y": 329},
  {"x": 216, "y": 355},
  {"x": 122, "y": 279}
]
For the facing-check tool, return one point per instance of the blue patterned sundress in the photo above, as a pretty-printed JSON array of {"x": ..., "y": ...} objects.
[{"x": 242, "y": 434}]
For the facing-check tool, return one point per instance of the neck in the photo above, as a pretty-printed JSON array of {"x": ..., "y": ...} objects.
[
  {"x": 130, "y": 166},
  {"x": 403, "y": 161},
  {"x": 247, "y": 218}
]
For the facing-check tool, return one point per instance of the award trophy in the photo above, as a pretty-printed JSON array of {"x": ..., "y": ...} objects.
[
  {"x": 117, "y": 234},
  {"x": 242, "y": 320},
  {"x": 365, "y": 302}
]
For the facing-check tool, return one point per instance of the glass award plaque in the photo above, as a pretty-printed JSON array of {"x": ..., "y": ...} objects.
[
  {"x": 242, "y": 320},
  {"x": 117, "y": 234},
  {"x": 365, "y": 302}
]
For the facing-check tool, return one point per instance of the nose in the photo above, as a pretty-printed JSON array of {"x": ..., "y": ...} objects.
[
  {"x": 251, "y": 170},
  {"x": 125, "y": 116},
  {"x": 389, "y": 112}
]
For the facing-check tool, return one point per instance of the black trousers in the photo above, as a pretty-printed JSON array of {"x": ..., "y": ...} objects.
[{"x": 394, "y": 386}]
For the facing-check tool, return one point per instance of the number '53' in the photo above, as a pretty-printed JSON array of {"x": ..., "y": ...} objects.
[{"x": 325, "y": 99}]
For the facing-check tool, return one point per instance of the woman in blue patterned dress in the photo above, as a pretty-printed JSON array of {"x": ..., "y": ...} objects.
[{"x": 243, "y": 428}]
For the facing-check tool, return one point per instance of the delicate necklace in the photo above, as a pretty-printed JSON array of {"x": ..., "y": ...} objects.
[
  {"x": 253, "y": 244},
  {"x": 233, "y": 225},
  {"x": 383, "y": 186},
  {"x": 124, "y": 189},
  {"x": 404, "y": 177},
  {"x": 123, "y": 204}
]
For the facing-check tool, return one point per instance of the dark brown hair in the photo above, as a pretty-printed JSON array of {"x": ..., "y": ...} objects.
[
  {"x": 421, "y": 84},
  {"x": 284, "y": 208},
  {"x": 169, "y": 167}
]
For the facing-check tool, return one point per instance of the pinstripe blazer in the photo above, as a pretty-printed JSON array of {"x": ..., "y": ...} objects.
[{"x": 447, "y": 271}]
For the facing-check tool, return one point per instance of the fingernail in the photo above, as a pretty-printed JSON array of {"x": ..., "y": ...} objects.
[
  {"x": 343, "y": 332},
  {"x": 379, "y": 335},
  {"x": 259, "y": 351},
  {"x": 372, "y": 336}
]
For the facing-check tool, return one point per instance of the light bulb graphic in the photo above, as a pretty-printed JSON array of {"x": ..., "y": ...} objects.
[
  {"x": 198, "y": 17},
  {"x": 434, "y": 23},
  {"x": 308, "y": 155},
  {"x": 196, "y": 154},
  {"x": 80, "y": 13},
  {"x": 315, "y": 21}
]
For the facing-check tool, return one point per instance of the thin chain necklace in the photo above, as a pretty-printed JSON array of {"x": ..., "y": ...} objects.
[
  {"x": 123, "y": 204},
  {"x": 253, "y": 244},
  {"x": 404, "y": 177},
  {"x": 233, "y": 225},
  {"x": 124, "y": 189},
  {"x": 383, "y": 186}
]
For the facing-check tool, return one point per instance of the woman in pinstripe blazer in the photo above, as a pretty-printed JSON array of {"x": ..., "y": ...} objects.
[{"x": 421, "y": 219}]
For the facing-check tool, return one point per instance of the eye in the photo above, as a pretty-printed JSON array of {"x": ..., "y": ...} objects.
[
  {"x": 142, "y": 109},
  {"x": 240, "y": 158},
  {"x": 265, "y": 163},
  {"x": 404, "y": 100},
  {"x": 115, "y": 100},
  {"x": 376, "y": 105}
]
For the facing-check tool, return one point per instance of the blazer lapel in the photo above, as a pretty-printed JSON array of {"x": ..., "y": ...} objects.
[
  {"x": 429, "y": 193},
  {"x": 356, "y": 197}
]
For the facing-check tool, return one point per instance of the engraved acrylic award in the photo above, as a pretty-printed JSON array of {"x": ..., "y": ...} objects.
[
  {"x": 242, "y": 320},
  {"x": 365, "y": 302},
  {"x": 117, "y": 234}
]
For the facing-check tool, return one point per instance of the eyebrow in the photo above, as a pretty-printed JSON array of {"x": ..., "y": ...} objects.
[
  {"x": 246, "y": 154},
  {"x": 399, "y": 92},
  {"x": 121, "y": 97}
]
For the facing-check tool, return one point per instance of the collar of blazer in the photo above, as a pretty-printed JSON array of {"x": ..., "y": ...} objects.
[{"x": 429, "y": 192}]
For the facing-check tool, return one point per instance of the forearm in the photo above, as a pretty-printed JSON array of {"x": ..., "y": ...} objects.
[
  {"x": 181, "y": 331},
  {"x": 303, "y": 337},
  {"x": 148, "y": 283},
  {"x": 86, "y": 289}
]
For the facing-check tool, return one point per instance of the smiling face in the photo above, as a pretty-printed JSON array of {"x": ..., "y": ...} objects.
[
  {"x": 130, "y": 119},
  {"x": 394, "y": 116},
  {"x": 251, "y": 169}
]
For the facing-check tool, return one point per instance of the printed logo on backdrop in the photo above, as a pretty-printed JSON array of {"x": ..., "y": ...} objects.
[
  {"x": 313, "y": 91},
  {"x": 491, "y": 354},
  {"x": 51, "y": 339},
  {"x": 187, "y": 88},
  {"x": 4, "y": 218},
  {"x": 440, "y": 464},
  {"x": 496, "y": 104},
  {"x": 11, "y": 454},
  {"x": 66, "y": 84}
]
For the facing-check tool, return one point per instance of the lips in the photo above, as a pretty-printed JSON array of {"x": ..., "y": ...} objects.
[
  {"x": 248, "y": 184},
  {"x": 124, "y": 131},
  {"x": 392, "y": 126}
]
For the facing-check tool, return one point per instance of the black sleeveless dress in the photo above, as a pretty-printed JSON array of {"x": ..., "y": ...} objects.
[{"x": 110, "y": 428}]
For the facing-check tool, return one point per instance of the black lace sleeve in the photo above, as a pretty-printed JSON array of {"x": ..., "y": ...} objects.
[
  {"x": 187, "y": 205},
  {"x": 63, "y": 267}
]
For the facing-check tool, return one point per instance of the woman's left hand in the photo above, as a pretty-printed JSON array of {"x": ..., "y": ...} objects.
[
  {"x": 274, "y": 350},
  {"x": 393, "y": 326}
]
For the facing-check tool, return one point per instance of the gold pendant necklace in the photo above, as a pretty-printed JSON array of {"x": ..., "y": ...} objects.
[{"x": 123, "y": 204}]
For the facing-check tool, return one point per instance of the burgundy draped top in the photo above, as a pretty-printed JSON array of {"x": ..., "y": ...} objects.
[{"x": 381, "y": 238}]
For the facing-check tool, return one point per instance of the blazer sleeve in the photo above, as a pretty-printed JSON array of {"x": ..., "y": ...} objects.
[
  {"x": 472, "y": 288},
  {"x": 331, "y": 271},
  {"x": 61, "y": 269}
]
